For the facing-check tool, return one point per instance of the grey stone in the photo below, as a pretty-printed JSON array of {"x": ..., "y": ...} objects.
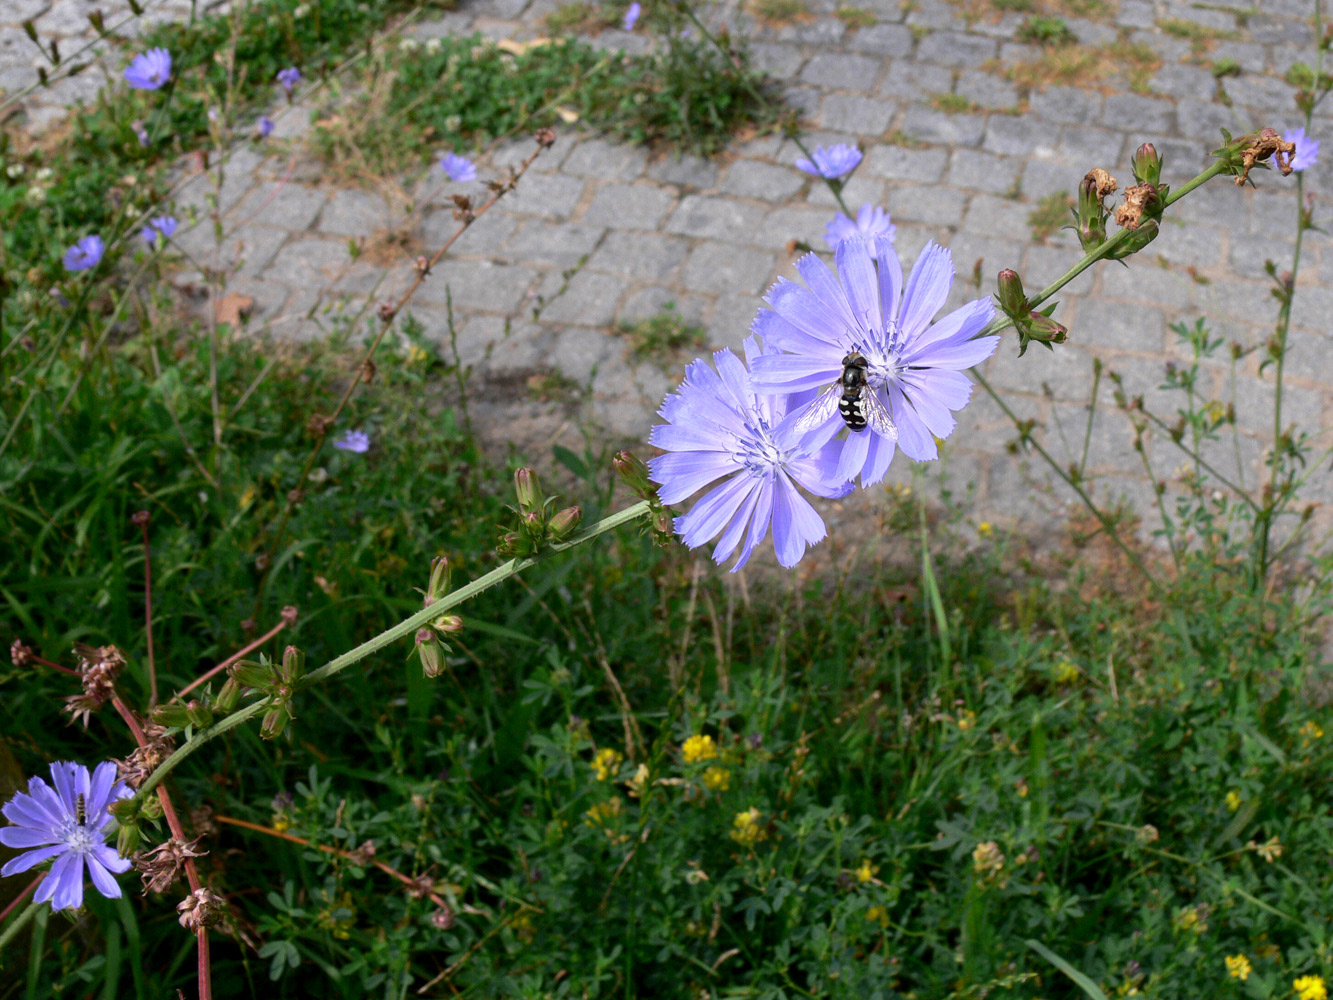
[
  {"x": 979, "y": 171},
  {"x": 906, "y": 78},
  {"x": 1182, "y": 81},
  {"x": 606, "y": 160},
  {"x": 822, "y": 32},
  {"x": 1147, "y": 117},
  {"x": 309, "y": 262},
  {"x": 752, "y": 179},
  {"x": 883, "y": 40},
  {"x": 999, "y": 217},
  {"x": 1043, "y": 264},
  {"x": 1203, "y": 119},
  {"x": 714, "y": 217},
  {"x": 1192, "y": 245},
  {"x": 483, "y": 236},
  {"x": 865, "y": 116},
  {"x": 546, "y": 194},
  {"x": 1140, "y": 329},
  {"x": 1249, "y": 257},
  {"x": 729, "y": 323},
  {"x": 950, "y": 49},
  {"x": 561, "y": 244},
  {"x": 1270, "y": 30},
  {"x": 727, "y": 269},
  {"x": 984, "y": 91},
  {"x": 649, "y": 302},
  {"x": 480, "y": 285},
  {"x": 855, "y": 192},
  {"x": 629, "y": 206},
  {"x": 1019, "y": 136},
  {"x": 1136, "y": 14},
  {"x": 1140, "y": 281},
  {"x": 840, "y": 71},
  {"x": 290, "y": 206},
  {"x": 901, "y": 163},
  {"x": 590, "y": 299},
  {"x": 936, "y": 126},
  {"x": 793, "y": 223},
  {"x": 256, "y": 247},
  {"x": 1042, "y": 178},
  {"x": 1084, "y": 145},
  {"x": 934, "y": 206},
  {"x": 580, "y": 352},
  {"x": 687, "y": 171},
  {"x": 354, "y": 213},
  {"x": 645, "y": 256},
  {"x": 1067, "y": 104},
  {"x": 1091, "y": 32},
  {"x": 1250, "y": 57},
  {"x": 780, "y": 61}
]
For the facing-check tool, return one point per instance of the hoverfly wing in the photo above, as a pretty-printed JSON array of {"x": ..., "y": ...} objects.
[
  {"x": 878, "y": 416},
  {"x": 816, "y": 413}
]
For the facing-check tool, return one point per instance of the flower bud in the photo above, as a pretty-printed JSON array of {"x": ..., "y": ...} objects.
[
  {"x": 1137, "y": 240},
  {"x": 440, "y": 574},
  {"x": 510, "y": 544},
  {"x": 564, "y": 523},
  {"x": 635, "y": 474},
  {"x": 128, "y": 839},
  {"x": 252, "y": 675},
  {"x": 229, "y": 696},
  {"x": 1147, "y": 165},
  {"x": 275, "y": 721},
  {"x": 172, "y": 714},
  {"x": 527, "y": 489},
  {"x": 293, "y": 665},
  {"x": 200, "y": 715},
  {"x": 431, "y": 652},
  {"x": 1091, "y": 215},
  {"x": 448, "y": 624},
  {"x": 1013, "y": 300}
]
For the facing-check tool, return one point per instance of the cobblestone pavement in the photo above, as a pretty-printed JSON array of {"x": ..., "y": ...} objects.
[{"x": 638, "y": 231}]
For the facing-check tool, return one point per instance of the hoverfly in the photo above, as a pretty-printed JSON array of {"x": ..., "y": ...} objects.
[
  {"x": 80, "y": 810},
  {"x": 855, "y": 400}
]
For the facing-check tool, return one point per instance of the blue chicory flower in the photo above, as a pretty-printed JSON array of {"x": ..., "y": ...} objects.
[
  {"x": 871, "y": 221},
  {"x": 164, "y": 224},
  {"x": 289, "y": 78},
  {"x": 46, "y": 820},
  {"x": 264, "y": 126},
  {"x": 141, "y": 133},
  {"x": 356, "y": 441},
  {"x": 459, "y": 168},
  {"x": 717, "y": 426},
  {"x": 149, "y": 70},
  {"x": 85, "y": 254},
  {"x": 914, "y": 366},
  {"x": 632, "y": 15},
  {"x": 832, "y": 163},
  {"x": 1307, "y": 149}
]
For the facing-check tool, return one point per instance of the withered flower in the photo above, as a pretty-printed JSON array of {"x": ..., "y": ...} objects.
[
  {"x": 162, "y": 865},
  {"x": 363, "y": 855},
  {"x": 1105, "y": 183},
  {"x": 1129, "y": 214},
  {"x": 98, "y": 667},
  {"x": 200, "y": 909},
  {"x": 19, "y": 654},
  {"x": 144, "y": 760},
  {"x": 1265, "y": 143}
]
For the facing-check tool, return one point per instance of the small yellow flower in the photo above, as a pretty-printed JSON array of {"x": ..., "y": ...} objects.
[
  {"x": 698, "y": 748},
  {"x": 1311, "y": 732},
  {"x": 1233, "y": 800},
  {"x": 987, "y": 859},
  {"x": 747, "y": 829},
  {"x": 1192, "y": 919},
  {"x": 606, "y": 763},
  {"x": 966, "y": 720},
  {"x": 1270, "y": 850},
  {"x": 866, "y": 872},
  {"x": 984, "y": 530},
  {"x": 639, "y": 782},
  {"x": 282, "y": 822},
  {"x": 1238, "y": 967},
  {"x": 416, "y": 354},
  {"x": 717, "y": 779},
  {"x": 878, "y": 915},
  {"x": 603, "y": 813},
  {"x": 1310, "y": 988},
  {"x": 1066, "y": 672}
]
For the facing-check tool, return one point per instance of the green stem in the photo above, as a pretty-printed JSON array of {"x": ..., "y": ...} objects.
[
  {"x": 404, "y": 628},
  {"x": 17, "y": 924}
]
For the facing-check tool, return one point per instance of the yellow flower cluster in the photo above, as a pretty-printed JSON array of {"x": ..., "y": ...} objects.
[
  {"x": 698, "y": 748},
  {"x": 984, "y": 530},
  {"x": 1238, "y": 967},
  {"x": 1066, "y": 672},
  {"x": 603, "y": 813},
  {"x": 747, "y": 828},
  {"x": 1311, "y": 732},
  {"x": 878, "y": 915},
  {"x": 1270, "y": 850},
  {"x": 1191, "y": 919},
  {"x": 966, "y": 720},
  {"x": 606, "y": 763},
  {"x": 1310, "y": 988},
  {"x": 1233, "y": 800},
  {"x": 866, "y": 871},
  {"x": 717, "y": 779},
  {"x": 987, "y": 859}
]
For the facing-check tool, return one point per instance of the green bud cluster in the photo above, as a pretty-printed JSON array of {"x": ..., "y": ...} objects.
[
  {"x": 634, "y": 473},
  {"x": 538, "y": 521},
  {"x": 1031, "y": 324}
]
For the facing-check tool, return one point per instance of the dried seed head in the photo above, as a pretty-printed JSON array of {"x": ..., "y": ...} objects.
[
  {"x": 144, "y": 760},
  {"x": 98, "y": 668},
  {"x": 1129, "y": 214},
  {"x": 1265, "y": 143},
  {"x": 140, "y": 518},
  {"x": 1104, "y": 182},
  {"x": 200, "y": 909},
  {"x": 161, "y": 866},
  {"x": 545, "y": 137},
  {"x": 19, "y": 654},
  {"x": 318, "y": 425},
  {"x": 363, "y": 855}
]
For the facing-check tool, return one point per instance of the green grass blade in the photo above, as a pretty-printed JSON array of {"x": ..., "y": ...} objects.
[{"x": 1082, "y": 981}]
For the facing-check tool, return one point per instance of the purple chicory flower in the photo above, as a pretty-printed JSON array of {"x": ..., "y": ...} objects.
[
  {"x": 832, "y": 163},
  {"x": 140, "y": 132},
  {"x": 459, "y": 168},
  {"x": 914, "y": 367},
  {"x": 85, "y": 254},
  {"x": 1307, "y": 149},
  {"x": 149, "y": 70},
  {"x": 717, "y": 426},
  {"x": 632, "y": 15},
  {"x": 164, "y": 224},
  {"x": 289, "y": 78},
  {"x": 871, "y": 221},
  {"x": 264, "y": 127},
  {"x": 357, "y": 441},
  {"x": 47, "y": 820}
]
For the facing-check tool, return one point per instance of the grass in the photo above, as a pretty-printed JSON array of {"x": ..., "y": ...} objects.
[
  {"x": 951, "y": 103},
  {"x": 978, "y": 10},
  {"x": 1087, "y": 66},
  {"x": 777, "y": 13},
  {"x": 663, "y": 336},
  {"x": 855, "y": 17},
  {"x": 581, "y": 18},
  {"x": 1046, "y": 31},
  {"x": 1201, "y": 37},
  {"x": 1050, "y": 214}
]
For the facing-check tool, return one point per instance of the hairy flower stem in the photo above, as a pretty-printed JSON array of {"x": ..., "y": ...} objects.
[
  {"x": 386, "y": 321},
  {"x": 404, "y": 628},
  {"x": 18, "y": 923},
  {"x": 4, "y": 914}
]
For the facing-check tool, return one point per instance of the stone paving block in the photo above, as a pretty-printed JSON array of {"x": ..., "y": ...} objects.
[
  {"x": 1143, "y": 329},
  {"x": 753, "y": 179},
  {"x": 902, "y": 163},
  {"x": 1203, "y": 120},
  {"x": 949, "y": 48},
  {"x": 1149, "y": 117},
  {"x": 1003, "y": 217},
  {"x": 590, "y": 299},
  {"x": 687, "y": 171},
  {"x": 546, "y": 194},
  {"x": 933, "y": 206},
  {"x": 629, "y": 206},
  {"x": 883, "y": 40},
  {"x": 255, "y": 247},
  {"x": 1067, "y": 105},
  {"x": 937, "y": 16},
  {"x": 729, "y": 321},
  {"x": 644, "y": 256},
  {"x": 1250, "y": 57},
  {"x": 560, "y": 244},
  {"x": 1085, "y": 145},
  {"x": 793, "y": 223},
  {"x": 1193, "y": 245},
  {"x": 578, "y": 351},
  {"x": 822, "y": 32},
  {"x": 291, "y": 206},
  {"x": 605, "y": 160},
  {"x": 1067, "y": 370},
  {"x": 1178, "y": 80},
  {"x": 486, "y": 234},
  {"x": 713, "y": 217},
  {"x": 728, "y": 269},
  {"x": 1091, "y": 32},
  {"x": 856, "y": 192},
  {"x": 978, "y": 171},
  {"x": 1237, "y": 304},
  {"x": 782, "y": 62},
  {"x": 863, "y": 116},
  {"x": 984, "y": 91},
  {"x": 928, "y": 125},
  {"x": 354, "y": 213},
  {"x": 1249, "y": 257},
  {"x": 1042, "y": 178},
  {"x": 1019, "y": 136},
  {"x": 480, "y": 285},
  {"x": 839, "y": 71},
  {"x": 906, "y": 78},
  {"x": 1043, "y": 264},
  {"x": 1140, "y": 281},
  {"x": 502, "y": 347},
  {"x": 309, "y": 262},
  {"x": 649, "y": 302}
]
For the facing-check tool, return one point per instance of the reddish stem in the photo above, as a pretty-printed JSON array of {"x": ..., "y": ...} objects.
[
  {"x": 148, "y": 610},
  {"x": 213, "y": 671},
  {"x": 4, "y": 914},
  {"x": 55, "y": 666}
]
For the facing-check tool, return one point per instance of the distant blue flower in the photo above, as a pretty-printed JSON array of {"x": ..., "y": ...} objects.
[
  {"x": 871, "y": 221},
  {"x": 717, "y": 427},
  {"x": 1307, "y": 149},
  {"x": 140, "y": 132},
  {"x": 289, "y": 78},
  {"x": 46, "y": 820},
  {"x": 831, "y": 163},
  {"x": 459, "y": 168},
  {"x": 149, "y": 70},
  {"x": 632, "y": 15},
  {"x": 357, "y": 441},
  {"x": 163, "y": 224},
  {"x": 85, "y": 254},
  {"x": 915, "y": 366},
  {"x": 265, "y": 126}
]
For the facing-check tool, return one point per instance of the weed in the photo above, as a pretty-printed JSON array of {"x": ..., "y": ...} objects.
[
  {"x": 855, "y": 17},
  {"x": 1050, "y": 214},
  {"x": 553, "y": 386},
  {"x": 776, "y": 13},
  {"x": 951, "y": 103},
  {"x": 580, "y": 18},
  {"x": 1021, "y": 6},
  {"x": 1087, "y": 65},
  {"x": 663, "y": 335},
  {"x": 1225, "y": 67},
  {"x": 1200, "y": 36},
  {"x": 1046, "y": 31}
]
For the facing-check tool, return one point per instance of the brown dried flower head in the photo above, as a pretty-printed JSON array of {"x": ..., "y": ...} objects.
[
  {"x": 421, "y": 886},
  {"x": 1106, "y": 184},
  {"x": 1129, "y": 213},
  {"x": 162, "y": 865},
  {"x": 1263, "y": 144},
  {"x": 144, "y": 760},
  {"x": 200, "y": 909},
  {"x": 98, "y": 668},
  {"x": 19, "y": 654},
  {"x": 363, "y": 855}
]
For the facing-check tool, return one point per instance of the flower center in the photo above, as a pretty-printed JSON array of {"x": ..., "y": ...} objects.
[
  {"x": 79, "y": 839},
  {"x": 882, "y": 350},
  {"x": 757, "y": 452}
]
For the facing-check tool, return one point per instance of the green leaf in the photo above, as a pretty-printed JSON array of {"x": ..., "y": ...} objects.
[{"x": 1082, "y": 981}]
